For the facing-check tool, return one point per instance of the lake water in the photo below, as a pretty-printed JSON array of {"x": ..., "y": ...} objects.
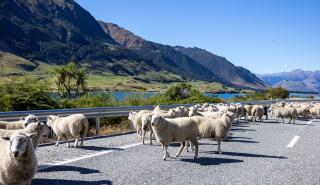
[{"x": 121, "y": 95}]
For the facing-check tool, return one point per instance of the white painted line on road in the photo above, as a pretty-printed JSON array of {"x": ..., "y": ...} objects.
[
  {"x": 310, "y": 122},
  {"x": 59, "y": 163},
  {"x": 293, "y": 141}
]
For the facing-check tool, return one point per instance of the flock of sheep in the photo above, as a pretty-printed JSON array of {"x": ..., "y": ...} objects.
[
  {"x": 187, "y": 125},
  {"x": 20, "y": 139}
]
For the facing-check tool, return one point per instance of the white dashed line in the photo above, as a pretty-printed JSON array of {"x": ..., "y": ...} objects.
[
  {"x": 59, "y": 163},
  {"x": 293, "y": 141}
]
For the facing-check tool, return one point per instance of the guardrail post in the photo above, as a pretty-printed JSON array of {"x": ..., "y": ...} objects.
[{"x": 98, "y": 124}]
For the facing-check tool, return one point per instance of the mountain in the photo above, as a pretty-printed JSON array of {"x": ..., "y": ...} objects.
[
  {"x": 296, "y": 80},
  {"x": 37, "y": 35},
  {"x": 185, "y": 61},
  {"x": 58, "y": 31},
  {"x": 163, "y": 56},
  {"x": 220, "y": 66}
]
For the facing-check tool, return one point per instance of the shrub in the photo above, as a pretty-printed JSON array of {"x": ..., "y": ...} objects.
[{"x": 25, "y": 93}]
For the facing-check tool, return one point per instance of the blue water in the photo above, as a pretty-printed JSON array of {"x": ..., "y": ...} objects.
[{"x": 120, "y": 95}]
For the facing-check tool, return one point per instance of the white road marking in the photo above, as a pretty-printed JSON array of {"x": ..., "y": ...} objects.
[
  {"x": 59, "y": 163},
  {"x": 310, "y": 122},
  {"x": 293, "y": 141}
]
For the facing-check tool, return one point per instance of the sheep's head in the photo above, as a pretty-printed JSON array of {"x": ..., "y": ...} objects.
[
  {"x": 192, "y": 112},
  {"x": 131, "y": 115},
  {"x": 19, "y": 143},
  {"x": 30, "y": 119},
  {"x": 155, "y": 119},
  {"x": 50, "y": 120},
  {"x": 41, "y": 128}
]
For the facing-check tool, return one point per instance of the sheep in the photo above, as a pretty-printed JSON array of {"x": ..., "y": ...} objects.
[
  {"x": 284, "y": 112},
  {"x": 178, "y": 129},
  {"x": 18, "y": 162},
  {"x": 75, "y": 126},
  {"x": 213, "y": 115},
  {"x": 11, "y": 125},
  {"x": 248, "y": 109},
  {"x": 41, "y": 130},
  {"x": 257, "y": 111},
  {"x": 215, "y": 128},
  {"x": 315, "y": 111},
  {"x": 146, "y": 121},
  {"x": 135, "y": 119},
  {"x": 303, "y": 112}
]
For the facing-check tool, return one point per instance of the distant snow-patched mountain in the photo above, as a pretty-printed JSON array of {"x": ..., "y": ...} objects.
[{"x": 296, "y": 80}]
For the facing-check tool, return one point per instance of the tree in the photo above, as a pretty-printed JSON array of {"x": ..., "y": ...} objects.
[
  {"x": 277, "y": 93},
  {"x": 71, "y": 82}
]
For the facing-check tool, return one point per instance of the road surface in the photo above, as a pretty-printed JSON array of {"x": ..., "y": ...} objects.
[{"x": 256, "y": 153}]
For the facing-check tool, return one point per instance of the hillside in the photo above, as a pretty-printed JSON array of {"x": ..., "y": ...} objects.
[
  {"x": 37, "y": 35},
  {"x": 296, "y": 80},
  {"x": 163, "y": 56},
  {"x": 58, "y": 31},
  {"x": 220, "y": 66},
  {"x": 190, "y": 59}
]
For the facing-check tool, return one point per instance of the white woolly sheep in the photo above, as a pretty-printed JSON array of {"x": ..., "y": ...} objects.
[
  {"x": 315, "y": 111},
  {"x": 248, "y": 109},
  {"x": 12, "y": 125},
  {"x": 75, "y": 126},
  {"x": 41, "y": 130},
  {"x": 18, "y": 162},
  {"x": 213, "y": 115},
  {"x": 215, "y": 128},
  {"x": 136, "y": 119},
  {"x": 257, "y": 111},
  {"x": 285, "y": 112},
  {"x": 170, "y": 130}
]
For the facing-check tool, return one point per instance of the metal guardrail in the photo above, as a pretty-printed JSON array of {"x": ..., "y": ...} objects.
[{"x": 100, "y": 112}]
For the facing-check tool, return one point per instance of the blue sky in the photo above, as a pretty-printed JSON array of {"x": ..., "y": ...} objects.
[{"x": 263, "y": 36}]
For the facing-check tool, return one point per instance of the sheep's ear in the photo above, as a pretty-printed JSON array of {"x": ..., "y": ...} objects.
[
  {"x": 6, "y": 138},
  {"x": 31, "y": 135},
  {"x": 25, "y": 124},
  {"x": 49, "y": 117}
]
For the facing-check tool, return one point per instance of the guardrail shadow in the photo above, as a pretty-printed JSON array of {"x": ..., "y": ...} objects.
[
  {"x": 241, "y": 129},
  {"x": 63, "y": 168},
  {"x": 208, "y": 161},
  {"x": 239, "y": 141},
  {"x": 69, "y": 182}
]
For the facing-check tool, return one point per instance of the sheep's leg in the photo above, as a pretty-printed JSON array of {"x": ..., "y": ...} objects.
[
  {"x": 58, "y": 141},
  {"x": 166, "y": 153},
  {"x": 187, "y": 145},
  {"x": 282, "y": 119},
  {"x": 290, "y": 120},
  {"x": 66, "y": 138},
  {"x": 219, "y": 146},
  {"x": 142, "y": 135},
  {"x": 76, "y": 142},
  {"x": 181, "y": 148},
  {"x": 150, "y": 135},
  {"x": 196, "y": 148}
]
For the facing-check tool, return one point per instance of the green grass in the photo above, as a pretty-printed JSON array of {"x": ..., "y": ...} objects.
[{"x": 11, "y": 65}]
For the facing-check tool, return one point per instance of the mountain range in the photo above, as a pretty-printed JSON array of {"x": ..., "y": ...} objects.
[
  {"x": 55, "y": 32},
  {"x": 296, "y": 80}
]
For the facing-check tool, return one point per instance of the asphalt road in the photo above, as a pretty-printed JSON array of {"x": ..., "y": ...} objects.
[{"x": 256, "y": 153}]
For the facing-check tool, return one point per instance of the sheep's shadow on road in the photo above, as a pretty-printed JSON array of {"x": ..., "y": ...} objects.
[
  {"x": 241, "y": 130},
  {"x": 69, "y": 182},
  {"x": 231, "y": 137},
  {"x": 238, "y": 154},
  {"x": 62, "y": 168},
  {"x": 239, "y": 141},
  {"x": 99, "y": 148},
  {"x": 208, "y": 161}
]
